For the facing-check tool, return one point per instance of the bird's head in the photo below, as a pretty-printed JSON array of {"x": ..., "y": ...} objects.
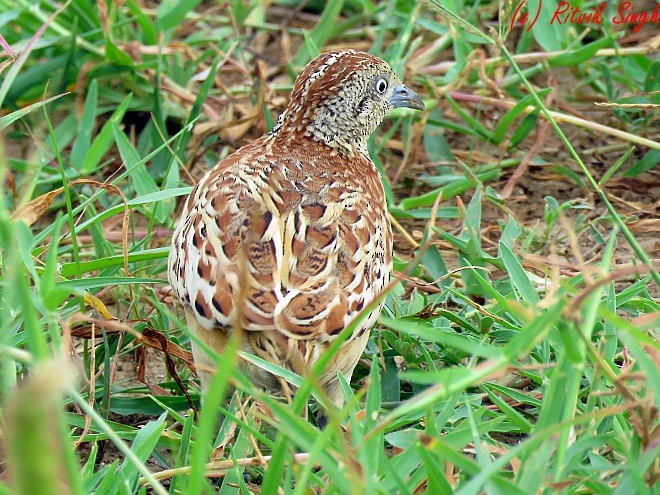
[{"x": 341, "y": 97}]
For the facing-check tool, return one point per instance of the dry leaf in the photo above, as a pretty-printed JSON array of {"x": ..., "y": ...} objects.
[
  {"x": 98, "y": 305},
  {"x": 31, "y": 211}
]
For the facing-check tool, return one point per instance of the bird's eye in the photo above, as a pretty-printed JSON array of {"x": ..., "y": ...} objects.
[{"x": 381, "y": 85}]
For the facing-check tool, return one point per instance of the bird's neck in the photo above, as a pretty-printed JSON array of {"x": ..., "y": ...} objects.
[
  {"x": 339, "y": 140},
  {"x": 328, "y": 124}
]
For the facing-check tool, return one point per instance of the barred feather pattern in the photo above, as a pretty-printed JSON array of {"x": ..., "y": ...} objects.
[{"x": 288, "y": 239}]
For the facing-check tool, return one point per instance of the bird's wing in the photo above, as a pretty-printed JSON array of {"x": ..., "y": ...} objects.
[{"x": 278, "y": 253}]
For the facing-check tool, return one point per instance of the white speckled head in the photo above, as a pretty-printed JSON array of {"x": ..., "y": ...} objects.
[{"x": 341, "y": 97}]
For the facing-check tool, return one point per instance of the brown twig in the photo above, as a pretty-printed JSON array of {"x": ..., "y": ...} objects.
[
  {"x": 559, "y": 118},
  {"x": 541, "y": 134}
]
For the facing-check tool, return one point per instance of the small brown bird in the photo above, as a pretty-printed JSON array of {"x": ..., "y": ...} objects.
[{"x": 288, "y": 238}]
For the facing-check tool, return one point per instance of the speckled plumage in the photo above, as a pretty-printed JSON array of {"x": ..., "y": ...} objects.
[{"x": 291, "y": 233}]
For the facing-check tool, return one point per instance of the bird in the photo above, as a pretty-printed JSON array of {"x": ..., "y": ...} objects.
[{"x": 288, "y": 239}]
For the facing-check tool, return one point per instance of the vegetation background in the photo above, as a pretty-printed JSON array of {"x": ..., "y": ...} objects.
[{"x": 517, "y": 355}]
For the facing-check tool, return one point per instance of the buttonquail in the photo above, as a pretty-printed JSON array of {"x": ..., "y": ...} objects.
[{"x": 288, "y": 238}]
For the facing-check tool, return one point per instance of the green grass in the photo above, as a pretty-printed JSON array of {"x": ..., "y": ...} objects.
[{"x": 518, "y": 354}]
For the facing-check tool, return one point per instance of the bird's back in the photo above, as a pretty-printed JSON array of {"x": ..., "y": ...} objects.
[{"x": 286, "y": 239}]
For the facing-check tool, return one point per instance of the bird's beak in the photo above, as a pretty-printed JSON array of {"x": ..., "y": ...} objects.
[{"x": 405, "y": 97}]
